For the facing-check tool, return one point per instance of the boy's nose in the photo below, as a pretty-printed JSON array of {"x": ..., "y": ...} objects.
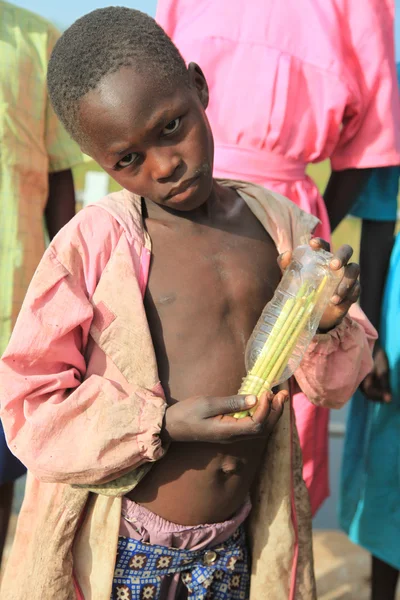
[{"x": 165, "y": 166}]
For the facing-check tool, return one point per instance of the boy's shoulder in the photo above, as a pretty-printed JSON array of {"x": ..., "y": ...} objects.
[
  {"x": 283, "y": 219},
  {"x": 126, "y": 209},
  {"x": 96, "y": 229}
]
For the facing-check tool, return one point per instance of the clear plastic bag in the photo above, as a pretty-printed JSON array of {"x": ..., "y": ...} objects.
[{"x": 289, "y": 321}]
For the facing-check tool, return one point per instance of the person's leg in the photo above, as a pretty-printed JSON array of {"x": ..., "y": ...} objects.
[
  {"x": 6, "y": 497},
  {"x": 384, "y": 580},
  {"x": 10, "y": 470}
]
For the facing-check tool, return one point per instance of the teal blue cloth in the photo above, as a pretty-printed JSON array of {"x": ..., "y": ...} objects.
[
  {"x": 369, "y": 510},
  {"x": 378, "y": 202},
  {"x": 369, "y": 504},
  {"x": 382, "y": 185}
]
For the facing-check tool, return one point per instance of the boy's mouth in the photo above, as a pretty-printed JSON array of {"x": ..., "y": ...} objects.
[{"x": 179, "y": 189}]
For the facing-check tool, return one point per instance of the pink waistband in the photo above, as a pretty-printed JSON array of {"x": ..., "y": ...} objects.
[
  {"x": 232, "y": 162},
  {"x": 139, "y": 523}
]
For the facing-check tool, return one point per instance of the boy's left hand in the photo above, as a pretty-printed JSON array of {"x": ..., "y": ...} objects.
[{"x": 348, "y": 290}]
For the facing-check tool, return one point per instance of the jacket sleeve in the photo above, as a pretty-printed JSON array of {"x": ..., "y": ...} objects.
[
  {"x": 369, "y": 135},
  {"x": 336, "y": 362},
  {"x": 63, "y": 427}
]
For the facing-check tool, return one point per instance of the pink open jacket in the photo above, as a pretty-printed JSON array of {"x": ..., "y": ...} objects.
[{"x": 82, "y": 407}]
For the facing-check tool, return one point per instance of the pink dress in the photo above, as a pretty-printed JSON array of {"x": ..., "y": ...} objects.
[{"x": 294, "y": 82}]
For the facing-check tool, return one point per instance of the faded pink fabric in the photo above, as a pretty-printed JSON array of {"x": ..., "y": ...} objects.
[
  {"x": 50, "y": 397},
  {"x": 139, "y": 523},
  {"x": 294, "y": 82}
]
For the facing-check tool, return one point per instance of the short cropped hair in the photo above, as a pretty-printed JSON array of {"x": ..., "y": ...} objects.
[{"x": 101, "y": 43}]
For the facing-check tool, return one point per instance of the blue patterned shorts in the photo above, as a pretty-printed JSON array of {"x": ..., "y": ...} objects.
[{"x": 217, "y": 573}]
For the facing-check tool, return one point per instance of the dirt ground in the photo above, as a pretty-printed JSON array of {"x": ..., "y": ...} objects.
[{"x": 342, "y": 569}]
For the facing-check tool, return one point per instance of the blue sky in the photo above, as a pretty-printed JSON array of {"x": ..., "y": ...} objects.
[{"x": 66, "y": 12}]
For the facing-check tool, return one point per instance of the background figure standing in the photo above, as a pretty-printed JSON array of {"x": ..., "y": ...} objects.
[
  {"x": 293, "y": 83},
  {"x": 36, "y": 156},
  {"x": 370, "y": 491}
]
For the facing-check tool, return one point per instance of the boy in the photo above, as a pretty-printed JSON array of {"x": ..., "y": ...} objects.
[{"x": 102, "y": 382}]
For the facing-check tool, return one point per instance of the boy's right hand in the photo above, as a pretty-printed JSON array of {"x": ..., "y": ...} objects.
[{"x": 207, "y": 419}]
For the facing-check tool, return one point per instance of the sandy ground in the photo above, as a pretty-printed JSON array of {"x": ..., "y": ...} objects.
[{"x": 342, "y": 569}]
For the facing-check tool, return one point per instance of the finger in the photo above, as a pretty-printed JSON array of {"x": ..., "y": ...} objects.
[
  {"x": 341, "y": 257},
  {"x": 366, "y": 384},
  {"x": 268, "y": 412},
  {"x": 372, "y": 389},
  {"x": 343, "y": 307},
  {"x": 384, "y": 385},
  {"x": 277, "y": 408},
  {"x": 347, "y": 283},
  {"x": 274, "y": 408},
  {"x": 354, "y": 294},
  {"x": 284, "y": 260},
  {"x": 229, "y": 405},
  {"x": 263, "y": 407},
  {"x": 338, "y": 311},
  {"x": 317, "y": 243},
  {"x": 279, "y": 401}
]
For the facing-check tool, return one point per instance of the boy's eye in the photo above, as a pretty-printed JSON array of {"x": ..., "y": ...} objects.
[
  {"x": 127, "y": 160},
  {"x": 172, "y": 126}
]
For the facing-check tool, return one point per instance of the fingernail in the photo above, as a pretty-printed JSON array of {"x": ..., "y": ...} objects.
[
  {"x": 282, "y": 255},
  {"x": 283, "y": 398},
  {"x": 250, "y": 400},
  {"x": 335, "y": 263},
  {"x": 336, "y": 299}
]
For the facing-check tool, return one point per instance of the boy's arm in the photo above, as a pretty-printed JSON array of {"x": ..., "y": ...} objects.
[
  {"x": 60, "y": 207},
  {"x": 64, "y": 427},
  {"x": 375, "y": 250},
  {"x": 336, "y": 362},
  {"x": 342, "y": 191}
]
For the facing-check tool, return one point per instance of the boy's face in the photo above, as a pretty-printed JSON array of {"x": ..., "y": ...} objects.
[{"x": 153, "y": 139}]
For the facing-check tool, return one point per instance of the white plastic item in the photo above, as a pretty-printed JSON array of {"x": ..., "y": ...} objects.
[{"x": 289, "y": 321}]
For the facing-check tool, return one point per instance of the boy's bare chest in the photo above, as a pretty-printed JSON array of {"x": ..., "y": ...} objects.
[
  {"x": 203, "y": 269},
  {"x": 206, "y": 291}
]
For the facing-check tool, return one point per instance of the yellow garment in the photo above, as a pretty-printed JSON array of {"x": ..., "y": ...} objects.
[{"x": 33, "y": 144}]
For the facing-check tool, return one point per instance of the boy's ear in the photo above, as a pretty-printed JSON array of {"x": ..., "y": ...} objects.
[{"x": 197, "y": 80}]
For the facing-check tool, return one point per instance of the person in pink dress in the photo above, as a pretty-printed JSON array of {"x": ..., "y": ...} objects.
[{"x": 293, "y": 83}]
